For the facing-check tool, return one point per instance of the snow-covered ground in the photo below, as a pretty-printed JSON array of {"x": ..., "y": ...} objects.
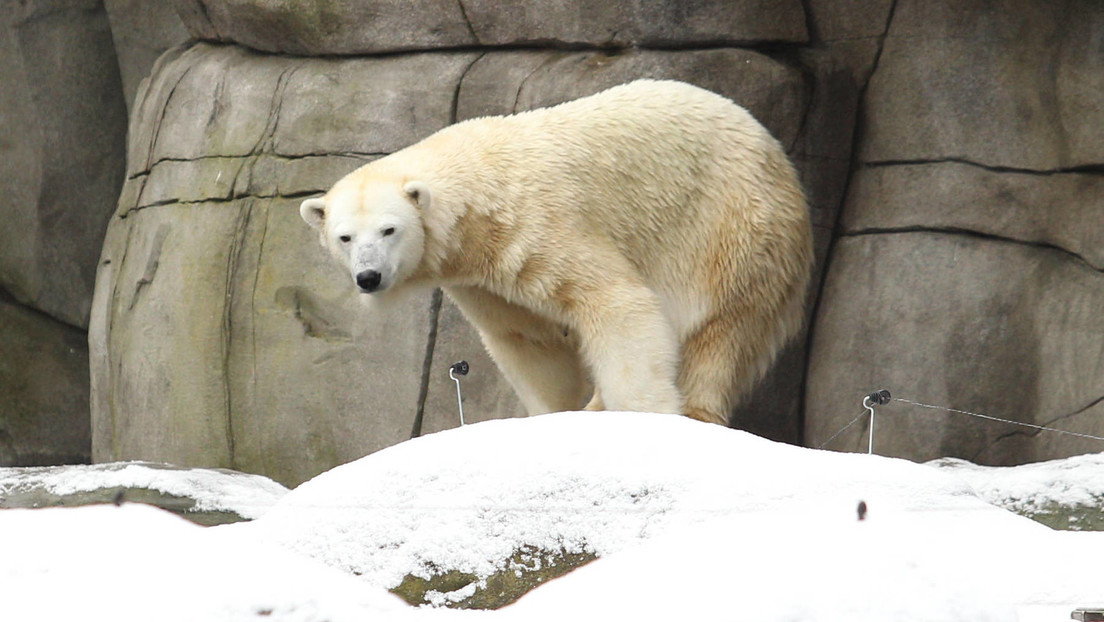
[{"x": 691, "y": 521}]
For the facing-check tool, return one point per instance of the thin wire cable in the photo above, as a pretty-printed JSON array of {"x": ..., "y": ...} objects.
[
  {"x": 842, "y": 430},
  {"x": 965, "y": 412},
  {"x": 991, "y": 418}
]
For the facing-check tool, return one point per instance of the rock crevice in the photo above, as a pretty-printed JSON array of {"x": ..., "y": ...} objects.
[
  {"x": 1081, "y": 169},
  {"x": 981, "y": 235}
]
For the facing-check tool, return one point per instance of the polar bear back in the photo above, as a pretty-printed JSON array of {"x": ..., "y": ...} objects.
[{"x": 684, "y": 183}]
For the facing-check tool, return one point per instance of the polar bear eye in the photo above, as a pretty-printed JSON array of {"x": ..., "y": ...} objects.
[
  {"x": 388, "y": 231},
  {"x": 345, "y": 238}
]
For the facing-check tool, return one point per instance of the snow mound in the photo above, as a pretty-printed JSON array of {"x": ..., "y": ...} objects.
[{"x": 467, "y": 499}]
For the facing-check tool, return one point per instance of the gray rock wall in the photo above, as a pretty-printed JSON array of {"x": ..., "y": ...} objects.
[
  {"x": 967, "y": 268},
  {"x": 62, "y": 133},
  {"x": 951, "y": 151},
  {"x": 142, "y": 31}
]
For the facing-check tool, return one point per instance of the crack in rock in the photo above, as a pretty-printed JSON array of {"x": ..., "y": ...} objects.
[
  {"x": 1035, "y": 433},
  {"x": 253, "y": 319},
  {"x": 549, "y": 60},
  {"x": 459, "y": 85},
  {"x": 361, "y": 155},
  {"x": 153, "y": 260},
  {"x": 1036, "y": 244},
  {"x": 468, "y": 23},
  {"x": 156, "y": 133},
  {"x": 226, "y": 331},
  {"x": 881, "y": 48},
  {"x": 206, "y": 13},
  {"x": 231, "y": 199},
  {"x": 312, "y": 313},
  {"x": 1079, "y": 411},
  {"x": 1083, "y": 169},
  {"x": 276, "y": 104}
]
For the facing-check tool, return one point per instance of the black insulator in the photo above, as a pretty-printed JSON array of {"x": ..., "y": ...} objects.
[
  {"x": 460, "y": 369},
  {"x": 880, "y": 398}
]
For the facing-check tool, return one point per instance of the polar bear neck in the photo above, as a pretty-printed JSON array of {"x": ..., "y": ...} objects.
[{"x": 471, "y": 177}]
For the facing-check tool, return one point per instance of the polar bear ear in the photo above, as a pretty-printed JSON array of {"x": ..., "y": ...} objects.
[
  {"x": 419, "y": 192},
  {"x": 313, "y": 211}
]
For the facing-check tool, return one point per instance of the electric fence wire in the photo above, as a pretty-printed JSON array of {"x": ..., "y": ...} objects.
[
  {"x": 965, "y": 412},
  {"x": 998, "y": 419},
  {"x": 842, "y": 430}
]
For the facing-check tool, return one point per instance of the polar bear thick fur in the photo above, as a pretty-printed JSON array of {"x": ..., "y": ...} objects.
[{"x": 647, "y": 247}]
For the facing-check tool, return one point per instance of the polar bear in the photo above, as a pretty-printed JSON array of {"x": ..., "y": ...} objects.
[{"x": 647, "y": 247}]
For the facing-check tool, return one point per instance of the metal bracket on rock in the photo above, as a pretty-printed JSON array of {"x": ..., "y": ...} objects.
[
  {"x": 459, "y": 368},
  {"x": 880, "y": 398}
]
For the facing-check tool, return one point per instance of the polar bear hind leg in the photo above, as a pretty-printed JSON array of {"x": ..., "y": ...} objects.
[
  {"x": 709, "y": 373},
  {"x": 730, "y": 352}
]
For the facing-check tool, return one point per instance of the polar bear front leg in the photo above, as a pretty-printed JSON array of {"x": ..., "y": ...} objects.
[
  {"x": 536, "y": 357},
  {"x": 545, "y": 371},
  {"x": 631, "y": 349}
]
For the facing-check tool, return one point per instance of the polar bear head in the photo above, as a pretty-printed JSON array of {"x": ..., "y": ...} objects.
[{"x": 372, "y": 227}]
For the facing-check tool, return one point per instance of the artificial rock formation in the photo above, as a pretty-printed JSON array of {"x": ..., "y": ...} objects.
[
  {"x": 967, "y": 270},
  {"x": 951, "y": 151}
]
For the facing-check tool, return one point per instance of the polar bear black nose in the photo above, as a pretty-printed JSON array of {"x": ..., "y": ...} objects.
[{"x": 368, "y": 280}]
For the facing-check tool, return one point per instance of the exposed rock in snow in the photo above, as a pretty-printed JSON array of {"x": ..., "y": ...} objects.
[{"x": 204, "y": 496}]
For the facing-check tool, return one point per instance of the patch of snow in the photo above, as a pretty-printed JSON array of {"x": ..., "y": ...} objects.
[
  {"x": 1031, "y": 488},
  {"x": 214, "y": 490},
  {"x": 139, "y": 563},
  {"x": 441, "y": 599}
]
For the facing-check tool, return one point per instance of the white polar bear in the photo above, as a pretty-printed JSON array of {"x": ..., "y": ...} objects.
[{"x": 650, "y": 244}]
